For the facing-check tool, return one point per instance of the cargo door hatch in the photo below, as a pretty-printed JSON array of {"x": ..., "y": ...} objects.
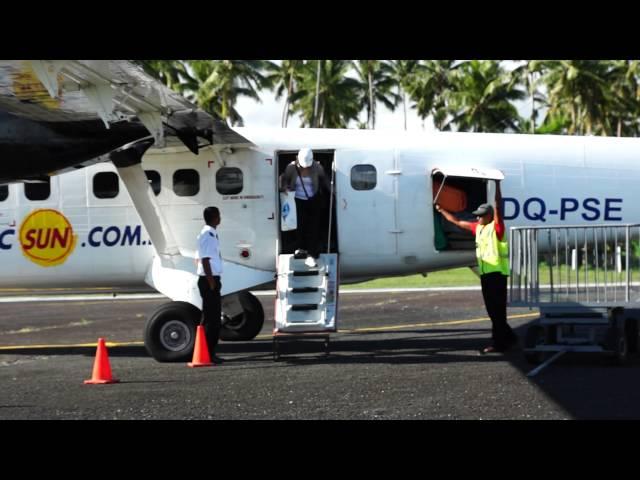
[{"x": 460, "y": 190}]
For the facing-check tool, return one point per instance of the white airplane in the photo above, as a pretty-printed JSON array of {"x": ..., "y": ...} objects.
[{"x": 131, "y": 215}]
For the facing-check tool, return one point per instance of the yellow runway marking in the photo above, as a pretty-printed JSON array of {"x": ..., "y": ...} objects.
[
  {"x": 73, "y": 345},
  {"x": 268, "y": 337}
]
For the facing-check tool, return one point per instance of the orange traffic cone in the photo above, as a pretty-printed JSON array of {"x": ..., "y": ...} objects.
[
  {"x": 101, "y": 367},
  {"x": 201, "y": 356}
]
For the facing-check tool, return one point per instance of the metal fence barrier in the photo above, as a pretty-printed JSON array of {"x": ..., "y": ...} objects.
[{"x": 596, "y": 265}]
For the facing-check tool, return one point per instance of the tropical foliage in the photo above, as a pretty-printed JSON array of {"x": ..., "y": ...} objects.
[{"x": 571, "y": 97}]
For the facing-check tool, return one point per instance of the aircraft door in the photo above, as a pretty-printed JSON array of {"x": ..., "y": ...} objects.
[
  {"x": 243, "y": 186},
  {"x": 460, "y": 190},
  {"x": 366, "y": 196}
]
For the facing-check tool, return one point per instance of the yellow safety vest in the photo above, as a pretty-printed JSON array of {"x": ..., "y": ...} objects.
[{"x": 493, "y": 254}]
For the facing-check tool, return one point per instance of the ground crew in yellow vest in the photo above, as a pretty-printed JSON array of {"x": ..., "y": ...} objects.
[{"x": 492, "y": 252}]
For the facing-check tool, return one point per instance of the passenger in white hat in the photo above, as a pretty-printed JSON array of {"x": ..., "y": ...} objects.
[{"x": 306, "y": 177}]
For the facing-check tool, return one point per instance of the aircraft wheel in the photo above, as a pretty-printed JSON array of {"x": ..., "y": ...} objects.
[
  {"x": 246, "y": 324},
  {"x": 170, "y": 332},
  {"x": 617, "y": 342}
]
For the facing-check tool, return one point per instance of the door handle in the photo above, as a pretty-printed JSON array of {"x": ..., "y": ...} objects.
[{"x": 344, "y": 203}]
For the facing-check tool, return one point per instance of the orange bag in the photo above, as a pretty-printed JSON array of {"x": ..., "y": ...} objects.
[{"x": 451, "y": 198}]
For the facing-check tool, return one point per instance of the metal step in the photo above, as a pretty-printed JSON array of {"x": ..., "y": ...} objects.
[
  {"x": 306, "y": 300},
  {"x": 304, "y": 306},
  {"x": 307, "y": 273}
]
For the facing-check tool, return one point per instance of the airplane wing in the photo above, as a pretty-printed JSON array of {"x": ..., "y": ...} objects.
[{"x": 57, "y": 114}]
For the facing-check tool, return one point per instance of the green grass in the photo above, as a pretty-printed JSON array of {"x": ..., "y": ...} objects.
[
  {"x": 560, "y": 275},
  {"x": 464, "y": 277},
  {"x": 456, "y": 277}
]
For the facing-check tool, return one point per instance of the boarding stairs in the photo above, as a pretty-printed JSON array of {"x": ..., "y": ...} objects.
[{"x": 306, "y": 299}]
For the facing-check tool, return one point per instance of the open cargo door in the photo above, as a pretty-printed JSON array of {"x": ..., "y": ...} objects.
[{"x": 460, "y": 190}]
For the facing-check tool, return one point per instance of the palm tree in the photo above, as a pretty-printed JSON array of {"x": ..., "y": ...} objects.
[
  {"x": 578, "y": 89},
  {"x": 285, "y": 78},
  {"x": 481, "y": 98},
  {"x": 430, "y": 87},
  {"x": 173, "y": 73},
  {"x": 377, "y": 82},
  {"x": 555, "y": 124},
  {"x": 528, "y": 74},
  {"x": 337, "y": 97},
  {"x": 216, "y": 85},
  {"x": 402, "y": 72},
  {"x": 625, "y": 106}
]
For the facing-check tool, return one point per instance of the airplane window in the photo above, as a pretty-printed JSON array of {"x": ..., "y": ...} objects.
[
  {"x": 105, "y": 185},
  {"x": 38, "y": 191},
  {"x": 154, "y": 181},
  {"x": 186, "y": 183},
  {"x": 229, "y": 181},
  {"x": 363, "y": 177},
  {"x": 4, "y": 192}
]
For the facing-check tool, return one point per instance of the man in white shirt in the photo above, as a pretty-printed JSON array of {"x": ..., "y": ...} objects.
[{"x": 209, "y": 271}]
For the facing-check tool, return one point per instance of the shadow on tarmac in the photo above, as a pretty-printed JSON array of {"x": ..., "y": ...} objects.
[
  {"x": 587, "y": 386},
  {"x": 393, "y": 350}
]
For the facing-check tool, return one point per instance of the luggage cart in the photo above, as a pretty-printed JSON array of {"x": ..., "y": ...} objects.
[{"x": 586, "y": 282}]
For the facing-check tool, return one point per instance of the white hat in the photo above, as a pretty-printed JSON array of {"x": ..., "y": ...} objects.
[{"x": 305, "y": 157}]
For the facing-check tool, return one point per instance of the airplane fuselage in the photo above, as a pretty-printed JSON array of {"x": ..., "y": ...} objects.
[{"x": 87, "y": 232}]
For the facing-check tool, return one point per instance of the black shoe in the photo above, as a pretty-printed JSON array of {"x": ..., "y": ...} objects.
[
  {"x": 489, "y": 349},
  {"x": 499, "y": 348},
  {"x": 492, "y": 349},
  {"x": 217, "y": 360}
]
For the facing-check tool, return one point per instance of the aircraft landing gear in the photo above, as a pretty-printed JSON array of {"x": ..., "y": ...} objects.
[
  {"x": 242, "y": 317},
  {"x": 170, "y": 331}
]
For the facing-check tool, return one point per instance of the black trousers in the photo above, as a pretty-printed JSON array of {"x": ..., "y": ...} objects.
[
  {"x": 308, "y": 216},
  {"x": 211, "y": 311},
  {"x": 494, "y": 292}
]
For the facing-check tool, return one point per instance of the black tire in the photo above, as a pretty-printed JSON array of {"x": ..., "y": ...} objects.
[
  {"x": 632, "y": 334},
  {"x": 246, "y": 325},
  {"x": 170, "y": 332},
  {"x": 535, "y": 336},
  {"x": 618, "y": 344}
]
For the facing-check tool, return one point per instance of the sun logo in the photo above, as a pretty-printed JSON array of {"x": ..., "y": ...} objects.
[{"x": 46, "y": 238}]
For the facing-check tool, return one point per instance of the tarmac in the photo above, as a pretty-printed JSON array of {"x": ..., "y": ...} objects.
[{"x": 397, "y": 355}]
